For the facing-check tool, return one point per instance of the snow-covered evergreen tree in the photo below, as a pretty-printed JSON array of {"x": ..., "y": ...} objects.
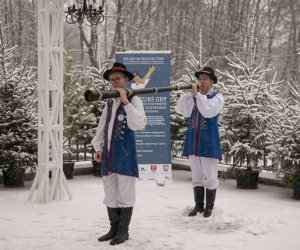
[
  {"x": 80, "y": 117},
  {"x": 18, "y": 124},
  {"x": 178, "y": 122},
  {"x": 79, "y": 121},
  {"x": 249, "y": 91},
  {"x": 284, "y": 142},
  {"x": 96, "y": 81}
]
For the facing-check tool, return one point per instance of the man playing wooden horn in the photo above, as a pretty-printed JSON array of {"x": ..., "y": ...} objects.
[
  {"x": 202, "y": 142},
  {"x": 115, "y": 147}
]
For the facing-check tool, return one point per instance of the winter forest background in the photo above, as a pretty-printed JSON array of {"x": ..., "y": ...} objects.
[{"x": 253, "y": 44}]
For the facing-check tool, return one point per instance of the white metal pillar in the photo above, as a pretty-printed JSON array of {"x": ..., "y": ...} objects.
[{"x": 50, "y": 104}]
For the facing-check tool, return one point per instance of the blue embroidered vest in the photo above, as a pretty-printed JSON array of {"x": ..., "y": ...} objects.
[
  {"x": 122, "y": 157},
  {"x": 202, "y": 136}
]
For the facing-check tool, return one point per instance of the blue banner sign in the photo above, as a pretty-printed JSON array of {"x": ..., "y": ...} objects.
[{"x": 152, "y": 69}]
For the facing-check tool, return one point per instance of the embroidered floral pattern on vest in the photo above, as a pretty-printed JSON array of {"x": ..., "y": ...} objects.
[
  {"x": 202, "y": 123},
  {"x": 121, "y": 124},
  {"x": 194, "y": 114}
]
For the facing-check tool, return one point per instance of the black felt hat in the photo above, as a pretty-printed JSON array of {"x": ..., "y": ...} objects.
[
  {"x": 209, "y": 71},
  {"x": 117, "y": 67}
]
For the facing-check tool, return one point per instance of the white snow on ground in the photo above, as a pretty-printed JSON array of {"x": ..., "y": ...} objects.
[{"x": 266, "y": 218}]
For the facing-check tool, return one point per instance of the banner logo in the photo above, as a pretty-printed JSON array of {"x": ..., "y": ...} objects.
[
  {"x": 166, "y": 168},
  {"x": 153, "y": 168}
]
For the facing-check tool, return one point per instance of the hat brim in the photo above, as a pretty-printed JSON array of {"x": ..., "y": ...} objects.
[
  {"x": 213, "y": 77},
  {"x": 110, "y": 71}
]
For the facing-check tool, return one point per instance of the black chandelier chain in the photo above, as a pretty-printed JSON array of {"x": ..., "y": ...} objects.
[{"x": 89, "y": 13}]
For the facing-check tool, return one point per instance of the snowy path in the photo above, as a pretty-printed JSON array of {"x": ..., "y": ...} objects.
[{"x": 242, "y": 219}]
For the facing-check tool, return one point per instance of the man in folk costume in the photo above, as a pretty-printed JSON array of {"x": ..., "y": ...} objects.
[
  {"x": 115, "y": 147},
  {"x": 202, "y": 142}
]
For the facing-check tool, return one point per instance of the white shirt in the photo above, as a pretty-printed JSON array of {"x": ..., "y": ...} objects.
[
  {"x": 141, "y": 85},
  {"x": 207, "y": 107},
  {"x": 136, "y": 120}
]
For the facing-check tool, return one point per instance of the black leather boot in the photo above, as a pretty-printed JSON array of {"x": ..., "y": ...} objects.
[
  {"x": 122, "y": 234},
  {"x": 210, "y": 201},
  {"x": 114, "y": 217},
  {"x": 199, "y": 200}
]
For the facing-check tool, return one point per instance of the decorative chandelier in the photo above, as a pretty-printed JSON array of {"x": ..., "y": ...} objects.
[{"x": 88, "y": 12}]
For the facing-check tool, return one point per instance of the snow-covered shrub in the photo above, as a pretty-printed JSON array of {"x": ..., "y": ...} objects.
[
  {"x": 249, "y": 92},
  {"x": 18, "y": 123},
  {"x": 178, "y": 122},
  {"x": 284, "y": 142},
  {"x": 80, "y": 117},
  {"x": 95, "y": 80}
]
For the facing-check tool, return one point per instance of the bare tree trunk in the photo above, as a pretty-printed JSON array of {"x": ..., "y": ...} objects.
[
  {"x": 105, "y": 30},
  {"x": 272, "y": 25},
  {"x": 11, "y": 21},
  {"x": 118, "y": 29},
  {"x": 20, "y": 30},
  {"x": 90, "y": 45}
]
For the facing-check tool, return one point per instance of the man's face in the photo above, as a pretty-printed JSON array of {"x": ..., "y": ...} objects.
[
  {"x": 206, "y": 83},
  {"x": 118, "y": 80}
]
